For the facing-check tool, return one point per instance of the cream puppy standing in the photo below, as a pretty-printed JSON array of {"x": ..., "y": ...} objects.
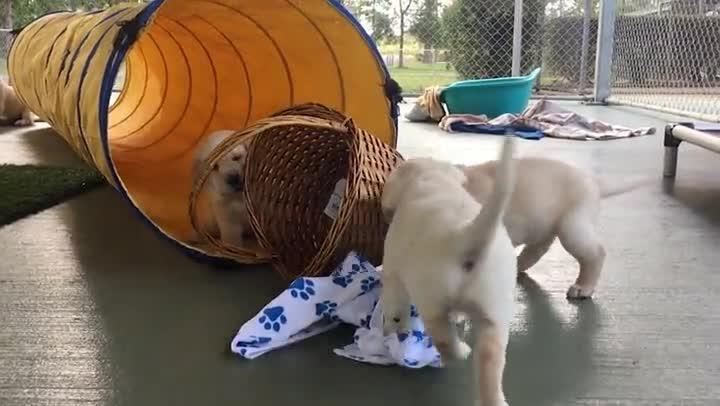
[
  {"x": 551, "y": 199},
  {"x": 447, "y": 253},
  {"x": 225, "y": 188}
]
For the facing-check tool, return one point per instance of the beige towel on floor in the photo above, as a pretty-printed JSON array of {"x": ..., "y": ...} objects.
[{"x": 553, "y": 121}]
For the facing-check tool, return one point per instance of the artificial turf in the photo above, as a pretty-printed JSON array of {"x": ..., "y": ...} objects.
[{"x": 28, "y": 189}]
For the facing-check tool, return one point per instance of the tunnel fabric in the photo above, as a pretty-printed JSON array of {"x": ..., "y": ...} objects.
[{"x": 191, "y": 67}]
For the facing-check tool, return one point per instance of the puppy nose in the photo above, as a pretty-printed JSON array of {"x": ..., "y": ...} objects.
[{"x": 233, "y": 180}]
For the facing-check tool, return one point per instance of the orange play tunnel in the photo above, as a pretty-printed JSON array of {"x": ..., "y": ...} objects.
[{"x": 191, "y": 67}]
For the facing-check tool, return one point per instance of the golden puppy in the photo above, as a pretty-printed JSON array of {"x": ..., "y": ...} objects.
[
  {"x": 226, "y": 189},
  {"x": 12, "y": 110},
  {"x": 552, "y": 200},
  {"x": 449, "y": 254}
]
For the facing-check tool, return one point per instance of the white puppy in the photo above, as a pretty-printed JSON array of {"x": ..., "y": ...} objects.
[
  {"x": 551, "y": 199},
  {"x": 226, "y": 187},
  {"x": 446, "y": 253}
]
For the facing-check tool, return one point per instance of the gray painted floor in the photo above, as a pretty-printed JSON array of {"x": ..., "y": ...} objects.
[{"x": 96, "y": 309}]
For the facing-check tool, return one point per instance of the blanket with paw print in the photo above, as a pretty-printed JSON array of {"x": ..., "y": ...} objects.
[{"x": 351, "y": 294}]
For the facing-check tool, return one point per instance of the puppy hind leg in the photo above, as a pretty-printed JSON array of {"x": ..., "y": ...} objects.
[
  {"x": 531, "y": 254},
  {"x": 490, "y": 347},
  {"x": 579, "y": 237},
  {"x": 443, "y": 330}
]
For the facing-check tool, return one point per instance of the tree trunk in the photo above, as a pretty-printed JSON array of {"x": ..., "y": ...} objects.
[{"x": 401, "y": 62}]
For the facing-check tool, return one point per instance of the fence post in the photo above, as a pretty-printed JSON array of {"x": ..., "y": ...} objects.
[
  {"x": 517, "y": 38},
  {"x": 587, "y": 11},
  {"x": 603, "y": 59}
]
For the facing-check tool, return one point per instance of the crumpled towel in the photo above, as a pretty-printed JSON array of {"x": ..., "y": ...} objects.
[
  {"x": 428, "y": 106},
  {"x": 501, "y": 125},
  {"x": 311, "y": 306},
  {"x": 547, "y": 117}
]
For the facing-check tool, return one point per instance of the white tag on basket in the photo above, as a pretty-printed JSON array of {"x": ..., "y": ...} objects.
[{"x": 336, "y": 199}]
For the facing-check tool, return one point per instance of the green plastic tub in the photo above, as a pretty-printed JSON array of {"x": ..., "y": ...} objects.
[{"x": 491, "y": 97}]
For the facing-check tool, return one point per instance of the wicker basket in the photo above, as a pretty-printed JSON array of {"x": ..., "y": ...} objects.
[
  {"x": 294, "y": 166},
  {"x": 295, "y": 161}
]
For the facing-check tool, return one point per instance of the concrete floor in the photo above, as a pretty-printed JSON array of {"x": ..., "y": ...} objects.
[{"x": 96, "y": 309}]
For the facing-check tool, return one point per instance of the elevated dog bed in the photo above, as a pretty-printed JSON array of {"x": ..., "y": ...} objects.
[{"x": 192, "y": 67}]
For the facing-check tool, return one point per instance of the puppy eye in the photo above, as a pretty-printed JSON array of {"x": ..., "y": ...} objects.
[
  {"x": 236, "y": 158},
  {"x": 468, "y": 265},
  {"x": 215, "y": 167}
]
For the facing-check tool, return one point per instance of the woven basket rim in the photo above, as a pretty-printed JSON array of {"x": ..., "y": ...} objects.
[{"x": 242, "y": 254}]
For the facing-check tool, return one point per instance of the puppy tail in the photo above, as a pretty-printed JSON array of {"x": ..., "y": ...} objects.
[{"x": 484, "y": 225}]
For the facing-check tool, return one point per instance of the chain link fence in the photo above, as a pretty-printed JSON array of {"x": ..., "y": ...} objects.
[
  {"x": 436, "y": 42},
  {"x": 666, "y": 52},
  {"x": 5, "y": 41},
  {"x": 667, "y": 56}
]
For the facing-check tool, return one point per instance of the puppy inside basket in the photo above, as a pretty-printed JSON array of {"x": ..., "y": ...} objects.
[{"x": 225, "y": 214}]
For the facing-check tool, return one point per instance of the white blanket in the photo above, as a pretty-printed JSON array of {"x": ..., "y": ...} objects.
[{"x": 310, "y": 306}]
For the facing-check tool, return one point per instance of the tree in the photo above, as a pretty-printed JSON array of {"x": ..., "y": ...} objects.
[
  {"x": 480, "y": 36},
  {"x": 25, "y": 11},
  {"x": 403, "y": 11},
  {"x": 382, "y": 27},
  {"x": 427, "y": 27},
  {"x": 375, "y": 15}
]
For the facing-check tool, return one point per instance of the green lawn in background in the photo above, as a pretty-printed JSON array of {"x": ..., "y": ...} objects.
[
  {"x": 28, "y": 189},
  {"x": 416, "y": 76}
]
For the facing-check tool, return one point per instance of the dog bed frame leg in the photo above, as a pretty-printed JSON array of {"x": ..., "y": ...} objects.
[{"x": 671, "y": 144}]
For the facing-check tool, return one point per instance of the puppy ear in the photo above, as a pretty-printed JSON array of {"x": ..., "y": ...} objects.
[
  {"x": 196, "y": 168},
  {"x": 201, "y": 154}
]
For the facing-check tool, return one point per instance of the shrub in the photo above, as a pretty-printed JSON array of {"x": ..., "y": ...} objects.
[
  {"x": 659, "y": 50},
  {"x": 480, "y": 33}
]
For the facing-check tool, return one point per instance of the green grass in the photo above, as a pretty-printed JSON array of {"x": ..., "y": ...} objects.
[
  {"x": 28, "y": 189},
  {"x": 416, "y": 76}
]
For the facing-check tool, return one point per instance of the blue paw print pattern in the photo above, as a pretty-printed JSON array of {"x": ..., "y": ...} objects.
[
  {"x": 365, "y": 321},
  {"x": 302, "y": 288},
  {"x": 343, "y": 281},
  {"x": 348, "y": 278},
  {"x": 273, "y": 318},
  {"x": 411, "y": 362},
  {"x": 413, "y": 311},
  {"x": 419, "y": 335},
  {"x": 254, "y": 342},
  {"x": 368, "y": 284},
  {"x": 326, "y": 308},
  {"x": 402, "y": 337}
]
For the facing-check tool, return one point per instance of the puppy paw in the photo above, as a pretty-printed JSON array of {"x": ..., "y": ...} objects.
[
  {"x": 453, "y": 351},
  {"x": 580, "y": 292},
  {"x": 395, "y": 322},
  {"x": 23, "y": 123}
]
